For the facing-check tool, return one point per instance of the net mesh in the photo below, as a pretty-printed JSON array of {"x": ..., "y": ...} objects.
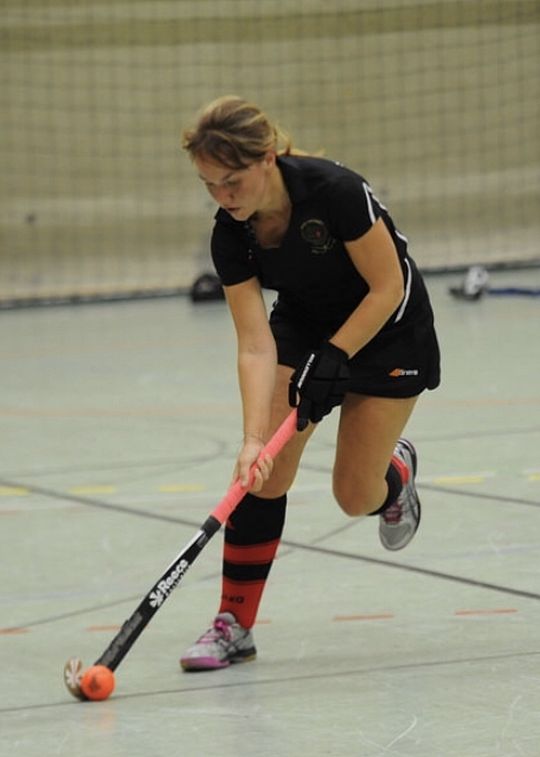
[{"x": 436, "y": 103}]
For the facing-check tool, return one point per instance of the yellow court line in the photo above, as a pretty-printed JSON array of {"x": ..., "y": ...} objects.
[
  {"x": 178, "y": 488},
  {"x": 96, "y": 489},
  {"x": 13, "y": 491},
  {"x": 168, "y": 488}
]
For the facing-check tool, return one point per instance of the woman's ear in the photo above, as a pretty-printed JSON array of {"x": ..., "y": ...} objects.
[{"x": 269, "y": 159}]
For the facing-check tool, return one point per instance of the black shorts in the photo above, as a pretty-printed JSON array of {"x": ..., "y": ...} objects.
[{"x": 400, "y": 362}]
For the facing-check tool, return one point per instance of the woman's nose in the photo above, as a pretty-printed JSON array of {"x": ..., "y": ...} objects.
[{"x": 223, "y": 193}]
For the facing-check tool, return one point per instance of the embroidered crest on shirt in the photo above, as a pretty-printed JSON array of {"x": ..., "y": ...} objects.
[{"x": 315, "y": 233}]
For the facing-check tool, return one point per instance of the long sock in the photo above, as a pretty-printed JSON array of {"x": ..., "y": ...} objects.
[
  {"x": 252, "y": 536},
  {"x": 396, "y": 475}
]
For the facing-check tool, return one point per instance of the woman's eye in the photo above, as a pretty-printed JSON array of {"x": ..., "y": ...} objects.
[{"x": 229, "y": 184}]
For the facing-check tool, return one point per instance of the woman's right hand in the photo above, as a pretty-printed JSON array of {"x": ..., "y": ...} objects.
[{"x": 248, "y": 456}]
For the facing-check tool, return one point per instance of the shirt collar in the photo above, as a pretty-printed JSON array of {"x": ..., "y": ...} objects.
[{"x": 293, "y": 177}]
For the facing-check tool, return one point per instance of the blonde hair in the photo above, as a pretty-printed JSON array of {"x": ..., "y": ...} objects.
[{"x": 234, "y": 133}]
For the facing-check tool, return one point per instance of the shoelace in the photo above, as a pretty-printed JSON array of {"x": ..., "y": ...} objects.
[
  {"x": 219, "y": 630},
  {"x": 393, "y": 514}
]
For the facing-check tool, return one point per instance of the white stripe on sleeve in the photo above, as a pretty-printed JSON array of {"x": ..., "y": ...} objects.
[{"x": 369, "y": 203}]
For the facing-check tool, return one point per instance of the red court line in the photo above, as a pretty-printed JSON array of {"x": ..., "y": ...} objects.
[
  {"x": 380, "y": 616},
  {"x": 493, "y": 611},
  {"x": 13, "y": 631},
  {"x": 104, "y": 628}
]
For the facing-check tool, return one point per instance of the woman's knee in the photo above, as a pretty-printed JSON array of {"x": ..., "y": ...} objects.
[
  {"x": 273, "y": 490},
  {"x": 280, "y": 481},
  {"x": 355, "y": 498}
]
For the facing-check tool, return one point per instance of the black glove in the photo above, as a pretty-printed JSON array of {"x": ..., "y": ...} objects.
[{"x": 319, "y": 384}]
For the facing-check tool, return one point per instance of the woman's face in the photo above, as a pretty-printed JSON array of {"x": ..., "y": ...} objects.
[{"x": 241, "y": 192}]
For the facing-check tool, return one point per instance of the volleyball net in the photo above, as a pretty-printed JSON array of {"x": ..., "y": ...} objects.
[{"x": 436, "y": 103}]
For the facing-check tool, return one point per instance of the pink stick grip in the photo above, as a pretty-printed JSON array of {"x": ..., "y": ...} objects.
[{"x": 236, "y": 491}]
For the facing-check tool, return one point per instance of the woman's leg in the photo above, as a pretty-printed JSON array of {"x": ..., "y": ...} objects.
[
  {"x": 367, "y": 476},
  {"x": 374, "y": 469},
  {"x": 252, "y": 536},
  {"x": 369, "y": 428},
  {"x": 254, "y": 529}
]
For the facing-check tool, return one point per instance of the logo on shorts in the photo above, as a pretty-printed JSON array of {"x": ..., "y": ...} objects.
[
  {"x": 400, "y": 372},
  {"x": 315, "y": 233}
]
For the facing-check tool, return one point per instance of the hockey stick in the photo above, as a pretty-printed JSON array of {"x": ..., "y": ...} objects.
[{"x": 164, "y": 586}]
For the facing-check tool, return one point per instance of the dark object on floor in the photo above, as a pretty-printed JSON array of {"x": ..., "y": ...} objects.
[{"x": 206, "y": 288}]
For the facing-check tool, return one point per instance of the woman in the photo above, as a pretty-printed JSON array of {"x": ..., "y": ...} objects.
[{"x": 352, "y": 326}]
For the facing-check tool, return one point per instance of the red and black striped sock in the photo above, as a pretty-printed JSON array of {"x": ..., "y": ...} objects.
[{"x": 252, "y": 536}]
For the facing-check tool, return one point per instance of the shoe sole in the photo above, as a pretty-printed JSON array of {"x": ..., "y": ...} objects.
[
  {"x": 412, "y": 451},
  {"x": 212, "y": 663}
]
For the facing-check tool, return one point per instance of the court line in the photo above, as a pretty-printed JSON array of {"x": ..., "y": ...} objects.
[
  {"x": 138, "y": 465},
  {"x": 314, "y": 548},
  {"x": 250, "y": 682},
  {"x": 91, "y": 502},
  {"x": 451, "y": 490},
  {"x": 71, "y": 614},
  {"x": 453, "y": 437},
  {"x": 221, "y": 446},
  {"x": 493, "y": 433},
  {"x": 414, "y": 569},
  {"x": 478, "y": 495}
]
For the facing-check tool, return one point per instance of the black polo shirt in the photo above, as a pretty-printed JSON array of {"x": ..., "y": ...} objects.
[{"x": 311, "y": 269}]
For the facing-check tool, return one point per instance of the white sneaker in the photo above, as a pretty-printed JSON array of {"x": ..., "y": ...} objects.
[
  {"x": 399, "y": 523},
  {"x": 225, "y": 642}
]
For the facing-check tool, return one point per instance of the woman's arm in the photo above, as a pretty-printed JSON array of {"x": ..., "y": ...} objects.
[
  {"x": 257, "y": 361},
  {"x": 375, "y": 257}
]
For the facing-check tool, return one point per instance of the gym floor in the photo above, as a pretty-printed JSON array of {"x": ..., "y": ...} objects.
[{"x": 120, "y": 424}]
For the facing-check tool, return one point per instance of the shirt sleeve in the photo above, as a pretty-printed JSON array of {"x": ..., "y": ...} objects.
[
  {"x": 231, "y": 255},
  {"x": 354, "y": 208}
]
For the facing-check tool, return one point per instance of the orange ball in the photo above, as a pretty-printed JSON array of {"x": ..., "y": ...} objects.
[{"x": 97, "y": 683}]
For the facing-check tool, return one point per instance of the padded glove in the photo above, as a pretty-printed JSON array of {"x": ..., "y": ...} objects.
[{"x": 319, "y": 383}]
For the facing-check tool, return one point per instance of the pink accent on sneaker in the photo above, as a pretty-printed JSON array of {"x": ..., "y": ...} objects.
[
  {"x": 220, "y": 628},
  {"x": 392, "y": 514},
  {"x": 206, "y": 663},
  {"x": 225, "y": 642}
]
